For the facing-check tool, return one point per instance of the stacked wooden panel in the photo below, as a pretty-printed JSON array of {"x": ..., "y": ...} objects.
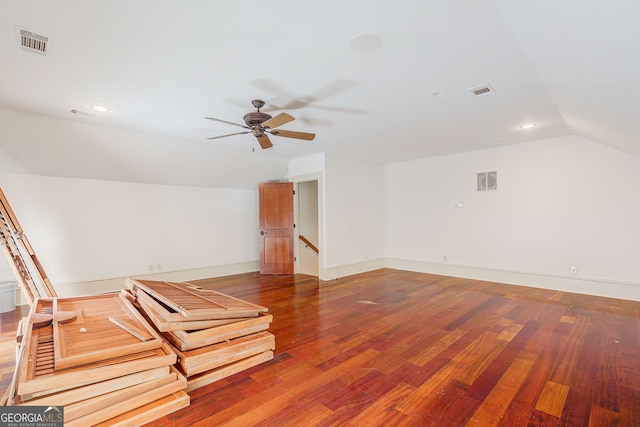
[
  {"x": 100, "y": 359},
  {"x": 214, "y": 335}
]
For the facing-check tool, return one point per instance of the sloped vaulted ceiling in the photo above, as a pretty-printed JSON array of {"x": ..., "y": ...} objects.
[{"x": 375, "y": 80}]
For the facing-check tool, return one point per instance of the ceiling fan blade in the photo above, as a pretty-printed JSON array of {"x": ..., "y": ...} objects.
[
  {"x": 284, "y": 100},
  {"x": 264, "y": 141},
  {"x": 229, "y": 123},
  {"x": 229, "y": 134},
  {"x": 278, "y": 120},
  {"x": 293, "y": 134}
]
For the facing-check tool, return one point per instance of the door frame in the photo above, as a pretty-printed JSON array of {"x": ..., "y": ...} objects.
[{"x": 317, "y": 176}]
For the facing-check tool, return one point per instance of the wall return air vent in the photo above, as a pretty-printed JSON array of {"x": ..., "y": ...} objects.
[
  {"x": 487, "y": 181},
  {"x": 32, "y": 42}
]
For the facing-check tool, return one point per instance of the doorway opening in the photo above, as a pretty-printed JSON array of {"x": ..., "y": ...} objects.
[{"x": 307, "y": 231}]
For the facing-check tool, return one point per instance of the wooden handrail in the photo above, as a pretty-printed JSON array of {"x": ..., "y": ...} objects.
[{"x": 308, "y": 243}]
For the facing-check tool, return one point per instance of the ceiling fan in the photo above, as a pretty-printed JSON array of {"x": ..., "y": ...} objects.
[{"x": 262, "y": 124}]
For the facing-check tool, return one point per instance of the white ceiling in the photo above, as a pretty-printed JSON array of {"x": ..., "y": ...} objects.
[{"x": 571, "y": 66}]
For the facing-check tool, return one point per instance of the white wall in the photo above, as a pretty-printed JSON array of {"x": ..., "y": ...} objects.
[
  {"x": 307, "y": 166},
  {"x": 86, "y": 232},
  {"x": 354, "y": 216},
  {"x": 46, "y": 146},
  {"x": 560, "y": 203}
]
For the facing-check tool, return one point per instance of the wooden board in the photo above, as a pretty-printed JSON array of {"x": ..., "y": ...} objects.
[
  {"x": 121, "y": 402},
  {"x": 109, "y": 405},
  {"x": 187, "y": 302},
  {"x": 213, "y": 375},
  {"x": 77, "y": 394},
  {"x": 164, "y": 326},
  {"x": 189, "y": 340},
  {"x": 94, "y": 335},
  {"x": 149, "y": 412},
  {"x": 214, "y": 356}
]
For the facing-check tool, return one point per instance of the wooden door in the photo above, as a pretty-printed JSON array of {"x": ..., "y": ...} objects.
[{"x": 276, "y": 227}]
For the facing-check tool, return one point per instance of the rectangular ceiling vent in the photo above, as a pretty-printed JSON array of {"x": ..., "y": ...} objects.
[
  {"x": 32, "y": 42},
  {"x": 482, "y": 90}
]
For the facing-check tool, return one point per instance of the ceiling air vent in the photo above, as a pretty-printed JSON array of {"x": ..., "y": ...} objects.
[
  {"x": 482, "y": 90},
  {"x": 32, "y": 42}
]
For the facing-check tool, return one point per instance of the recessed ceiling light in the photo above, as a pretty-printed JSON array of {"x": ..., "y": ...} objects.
[
  {"x": 366, "y": 42},
  {"x": 100, "y": 108},
  {"x": 529, "y": 125}
]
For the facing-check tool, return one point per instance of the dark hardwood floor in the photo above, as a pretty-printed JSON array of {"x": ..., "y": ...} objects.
[{"x": 395, "y": 348}]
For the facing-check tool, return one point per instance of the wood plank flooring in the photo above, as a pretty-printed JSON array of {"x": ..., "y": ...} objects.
[{"x": 396, "y": 348}]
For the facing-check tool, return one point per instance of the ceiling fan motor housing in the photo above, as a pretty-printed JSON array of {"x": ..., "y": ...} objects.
[{"x": 255, "y": 118}]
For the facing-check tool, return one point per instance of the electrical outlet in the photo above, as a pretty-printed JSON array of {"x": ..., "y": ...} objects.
[
  {"x": 444, "y": 258},
  {"x": 574, "y": 270}
]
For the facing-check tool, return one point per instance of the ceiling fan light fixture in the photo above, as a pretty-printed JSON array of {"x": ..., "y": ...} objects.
[{"x": 260, "y": 125}]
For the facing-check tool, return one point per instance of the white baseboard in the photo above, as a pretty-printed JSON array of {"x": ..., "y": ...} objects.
[
  {"x": 332, "y": 273},
  {"x": 99, "y": 286},
  {"x": 575, "y": 284}
]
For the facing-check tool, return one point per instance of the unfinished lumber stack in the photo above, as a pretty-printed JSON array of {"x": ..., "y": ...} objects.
[
  {"x": 214, "y": 335},
  {"x": 99, "y": 358}
]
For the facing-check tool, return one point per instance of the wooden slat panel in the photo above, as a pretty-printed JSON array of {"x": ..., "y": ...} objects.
[
  {"x": 11, "y": 230},
  {"x": 93, "y": 337},
  {"x": 18, "y": 265},
  {"x": 194, "y": 303},
  {"x": 165, "y": 326},
  {"x": 36, "y": 384}
]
